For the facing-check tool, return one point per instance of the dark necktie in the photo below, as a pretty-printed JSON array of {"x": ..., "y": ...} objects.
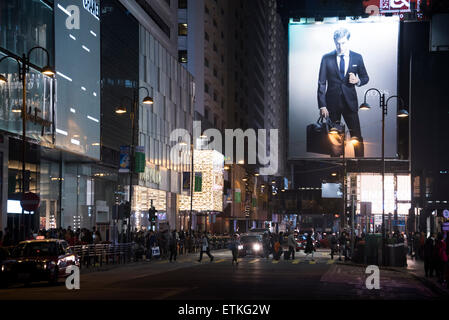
[{"x": 342, "y": 67}]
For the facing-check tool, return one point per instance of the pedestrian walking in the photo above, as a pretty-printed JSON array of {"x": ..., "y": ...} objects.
[
  {"x": 205, "y": 247},
  {"x": 429, "y": 248},
  {"x": 266, "y": 241},
  {"x": 234, "y": 246},
  {"x": 291, "y": 245},
  {"x": 333, "y": 243},
  {"x": 440, "y": 249},
  {"x": 309, "y": 246},
  {"x": 173, "y": 245}
]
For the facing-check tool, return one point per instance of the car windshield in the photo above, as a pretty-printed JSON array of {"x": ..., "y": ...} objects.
[
  {"x": 248, "y": 239},
  {"x": 34, "y": 249}
]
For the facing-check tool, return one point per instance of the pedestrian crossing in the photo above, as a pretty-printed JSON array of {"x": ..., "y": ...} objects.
[
  {"x": 257, "y": 261},
  {"x": 222, "y": 258}
]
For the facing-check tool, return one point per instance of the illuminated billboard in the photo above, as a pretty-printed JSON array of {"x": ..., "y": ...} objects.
[
  {"x": 77, "y": 60},
  {"x": 331, "y": 66}
]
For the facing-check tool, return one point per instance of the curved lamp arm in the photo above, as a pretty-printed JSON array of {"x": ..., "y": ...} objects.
[
  {"x": 372, "y": 89},
  {"x": 401, "y": 101},
  {"x": 18, "y": 64},
  {"x": 148, "y": 92},
  {"x": 38, "y": 47}
]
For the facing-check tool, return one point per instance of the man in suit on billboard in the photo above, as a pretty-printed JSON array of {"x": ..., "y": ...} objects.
[{"x": 340, "y": 72}]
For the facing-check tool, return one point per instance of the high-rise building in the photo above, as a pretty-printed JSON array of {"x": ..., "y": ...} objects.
[{"x": 236, "y": 50}]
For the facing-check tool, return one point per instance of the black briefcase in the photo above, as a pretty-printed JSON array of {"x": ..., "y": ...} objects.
[{"x": 320, "y": 141}]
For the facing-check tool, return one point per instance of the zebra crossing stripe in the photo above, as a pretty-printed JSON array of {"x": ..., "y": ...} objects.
[
  {"x": 218, "y": 261},
  {"x": 254, "y": 261},
  {"x": 275, "y": 261},
  {"x": 296, "y": 261},
  {"x": 312, "y": 262},
  {"x": 330, "y": 261}
]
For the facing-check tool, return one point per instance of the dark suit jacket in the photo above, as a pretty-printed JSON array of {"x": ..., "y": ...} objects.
[{"x": 330, "y": 76}]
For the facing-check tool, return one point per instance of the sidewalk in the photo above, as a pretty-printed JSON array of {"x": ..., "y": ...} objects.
[{"x": 415, "y": 268}]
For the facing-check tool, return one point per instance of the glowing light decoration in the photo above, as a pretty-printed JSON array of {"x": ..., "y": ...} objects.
[{"x": 211, "y": 164}]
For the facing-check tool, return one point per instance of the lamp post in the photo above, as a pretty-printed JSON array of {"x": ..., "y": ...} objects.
[
  {"x": 23, "y": 65},
  {"x": 402, "y": 113},
  {"x": 354, "y": 140},
  {"x": 122, "y": 110}
]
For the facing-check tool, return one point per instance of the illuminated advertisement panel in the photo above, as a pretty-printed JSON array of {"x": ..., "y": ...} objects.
[
  {"x": 331, "y": 66},
  {"x": 77, "y": 60}
]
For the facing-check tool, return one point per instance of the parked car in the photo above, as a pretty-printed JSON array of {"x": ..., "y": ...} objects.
[
  {"x": 41, "y": 260},
  {"x": 251, "y": 244},
  {"x": 6, "y": 275}
]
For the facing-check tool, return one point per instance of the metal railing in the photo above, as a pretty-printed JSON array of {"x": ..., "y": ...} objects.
[{"x": 93, "y": 255}]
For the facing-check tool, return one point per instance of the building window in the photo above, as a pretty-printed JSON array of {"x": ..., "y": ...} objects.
[
  {"x": 215, "y": 96},
  {"x": 182, "y": 4},
  {"x": 206, "y": 113},
  {"x": 206, "y": 88},
  {"x": 182, "y": 29},
  {"x": 206, "y": 9},
  {"x": 206, "y": 62},
  {"x": 182, "y": 56},
  {"x": 215, "y": 47},
  {"x": 215, "y": 73},
  {"x": 206, "y": 36},
  {"x": 214, "y": 22}
]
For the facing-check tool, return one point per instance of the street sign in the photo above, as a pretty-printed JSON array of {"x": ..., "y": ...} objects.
[
  {"x": 446, "y": 226},
  {"x": 30, "y": 201},
  {"x": 446, "y": 213}
]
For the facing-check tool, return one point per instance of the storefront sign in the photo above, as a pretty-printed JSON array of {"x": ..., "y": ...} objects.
[
  {"x": 30, "y": 201},
  {"x": 93, "y": 7},
  {"x": 151, "y": 175},
  {"x": 446, "y": 213}
]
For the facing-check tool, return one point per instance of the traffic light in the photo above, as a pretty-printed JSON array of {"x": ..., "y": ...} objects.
[{"x": 152, "y": 214}]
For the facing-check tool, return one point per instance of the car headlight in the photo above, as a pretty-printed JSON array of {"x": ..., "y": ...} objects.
[
  {"x": 256, "y": 247},
  {"x": 3, "y": 267},
  {"x": 240, "y": 247}
]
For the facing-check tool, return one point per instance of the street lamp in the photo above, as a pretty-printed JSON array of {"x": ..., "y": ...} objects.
[
  {"x": 354, "y": 141},
  {"x": 383, "y": 104},
  {"x": 23, "y": 65},
  {"x": 121, "y": 109}
]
